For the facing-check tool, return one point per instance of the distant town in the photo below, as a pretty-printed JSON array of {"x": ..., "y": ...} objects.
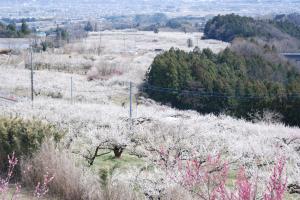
[{"x": 47, "y": 13}]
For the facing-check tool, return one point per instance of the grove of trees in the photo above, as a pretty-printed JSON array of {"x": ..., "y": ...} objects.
[
  {"x": 12, "y": 31},
  {"x": 288, "y": 27},
  {"x": 229, "y": 27},
  {"x": 227, "y": 82}
]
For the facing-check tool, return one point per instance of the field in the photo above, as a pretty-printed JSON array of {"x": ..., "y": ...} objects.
[
  {"x": 84, "y": 87},
  {"x": 114, "y": 57},
  {"x": 12, "y": 43}
]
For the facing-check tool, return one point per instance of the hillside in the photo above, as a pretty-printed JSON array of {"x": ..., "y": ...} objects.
[
  {"x": 86, "y": 95},
  {"x": 284, "y": 35},
  {"x": 292, "y": 18}
]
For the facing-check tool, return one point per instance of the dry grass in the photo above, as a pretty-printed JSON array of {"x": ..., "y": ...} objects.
[
  {"x": 71, "y": 180},
  {"x": 119, "y": 191},
  {"x": 105, "y": 70},
  {"x": 177, "y": 193}
]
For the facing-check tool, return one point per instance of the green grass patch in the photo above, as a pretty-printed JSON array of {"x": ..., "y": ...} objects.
[
  {"x": 288, "y": 196},
  {"x": 231, "y": 179},
  {"x": 109, "y": 161},
  {"x": 106, "y": 164}
]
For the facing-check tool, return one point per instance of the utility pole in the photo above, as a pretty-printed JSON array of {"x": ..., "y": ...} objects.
[
  {"x": 135, "y": 42},
  {"x": 100, "y": 40},
  {"x": 31, "y": 66},
  {"x": 136, "y": 104},
  {"x": 199, "y": 38},
  {"x": 71, "y": 90},
  {"x": 130, "y": 98},
  {"x": 124, "y": 43},
  {"x": 58, "y": 35}
]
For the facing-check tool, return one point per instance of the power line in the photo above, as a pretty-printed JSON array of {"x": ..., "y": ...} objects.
[
  {"x": 100, "y": 91},
  {"x": 201, "y": 94},
  {"x": 215, "y": 94},
  {"x": 31, "y": 77}
]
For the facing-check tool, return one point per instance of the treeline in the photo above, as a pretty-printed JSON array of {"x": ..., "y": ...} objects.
[
  {"x": 151, "y": 22},
  {"x": 236, "y": 84},
  {"x": 185, "y": 24},
  {"x": 14, "y": 20},
  {"x": 12, "y": 31},
  {"x": 59, "y": 36},
  {"x": 229, "y": 27},
  {"x": 292, "y": 18}
]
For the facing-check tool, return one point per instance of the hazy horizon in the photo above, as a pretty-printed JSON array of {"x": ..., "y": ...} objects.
[{"x": 84, "y": 9}]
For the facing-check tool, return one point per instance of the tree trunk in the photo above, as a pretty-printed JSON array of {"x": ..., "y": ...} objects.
[
  {"x": 118, "y": 151},
  {"x": 294, "y": 189},
  {"x": 92, "y": 159}
]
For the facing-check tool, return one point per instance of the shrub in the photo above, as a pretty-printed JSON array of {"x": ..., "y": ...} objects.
[
  {"x": 40, "y": 189},
  {"x": 266, "y": 116},
  {"x": 55, "y": 95},
  {"x": 4, "y": 182},
  {"x": 23, "y": 137},
  {"x": 104, "y": 70},
  {"x": 46, "y": 44},
  {"x": 72, "y": 180}
]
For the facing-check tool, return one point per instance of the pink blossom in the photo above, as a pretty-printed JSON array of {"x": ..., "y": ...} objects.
[{"x": 277, "y": 183}]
